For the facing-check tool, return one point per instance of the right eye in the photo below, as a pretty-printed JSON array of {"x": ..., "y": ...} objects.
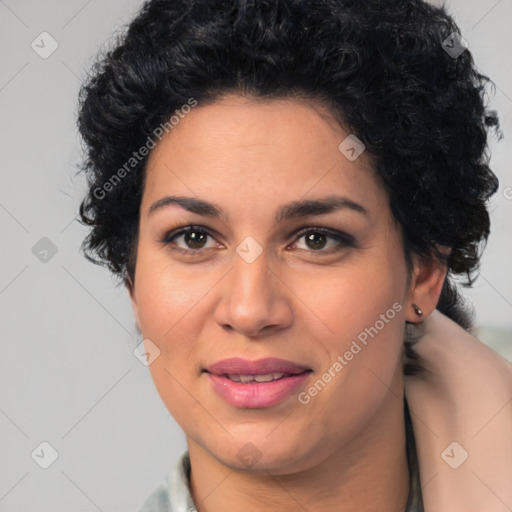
[{"x": 194, "y": 238}]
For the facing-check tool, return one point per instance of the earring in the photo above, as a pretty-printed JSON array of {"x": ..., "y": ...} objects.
[{"x": 417, "y": 310}]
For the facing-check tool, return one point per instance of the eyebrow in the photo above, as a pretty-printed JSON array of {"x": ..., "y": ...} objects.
[{"x": 294, "y": 209}]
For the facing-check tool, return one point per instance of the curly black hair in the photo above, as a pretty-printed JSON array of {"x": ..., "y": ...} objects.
[{"x": 381, "y": 66}]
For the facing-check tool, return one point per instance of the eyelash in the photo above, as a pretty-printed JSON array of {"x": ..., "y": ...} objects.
[{"x": 345, "y": 240}]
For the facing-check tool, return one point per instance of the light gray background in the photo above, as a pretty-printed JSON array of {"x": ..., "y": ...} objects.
[{"x": 67, "y": 372}]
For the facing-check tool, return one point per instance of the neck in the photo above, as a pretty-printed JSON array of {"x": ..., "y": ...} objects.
[{"x": 368, "y": 473}]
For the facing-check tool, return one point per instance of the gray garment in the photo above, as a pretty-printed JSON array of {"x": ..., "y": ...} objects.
[{"x": 173, "y": 495}]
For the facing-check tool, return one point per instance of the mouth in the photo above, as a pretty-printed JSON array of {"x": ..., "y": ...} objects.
[
  {"x": 256, "y": 384},
  {"x": 270, "y": 368},
  {"x": 265, "y": 377}
]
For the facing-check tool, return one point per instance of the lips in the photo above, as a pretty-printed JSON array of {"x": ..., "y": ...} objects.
[
  {"x": 256, "y": 384},
  {"x": 265, "y": 366}
]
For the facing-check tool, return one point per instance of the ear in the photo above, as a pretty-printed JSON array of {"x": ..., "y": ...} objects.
[
  {"x": 131, "y": 290},
  {"x": 426, "y": 285}
]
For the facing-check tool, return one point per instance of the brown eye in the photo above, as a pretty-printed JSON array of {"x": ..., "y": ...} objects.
[
  {"x": 316, "y": 239},
  {"x": 194, "y": 238}
]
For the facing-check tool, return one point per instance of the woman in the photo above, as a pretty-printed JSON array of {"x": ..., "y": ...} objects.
[{"x": 287, "y": 189}]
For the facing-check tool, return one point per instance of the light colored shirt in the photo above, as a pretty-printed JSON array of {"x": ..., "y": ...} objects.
[{"x": 173, "y": 494}]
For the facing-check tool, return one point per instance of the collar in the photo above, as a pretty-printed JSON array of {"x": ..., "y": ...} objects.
[{"x": 180, "y": 499}]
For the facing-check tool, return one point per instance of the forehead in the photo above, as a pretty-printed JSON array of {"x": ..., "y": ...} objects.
[
  {"x": 240, "y": 122},
  {"x": 259, "y": 148}
]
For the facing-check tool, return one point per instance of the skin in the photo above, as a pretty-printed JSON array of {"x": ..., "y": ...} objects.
[{"x": 345, "y": 449}]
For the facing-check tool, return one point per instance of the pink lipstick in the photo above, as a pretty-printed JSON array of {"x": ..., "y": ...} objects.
[{"x": 256, "y": 384}]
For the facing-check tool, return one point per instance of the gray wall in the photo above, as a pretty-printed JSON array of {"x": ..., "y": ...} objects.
[{"x": 67, "y": 373}]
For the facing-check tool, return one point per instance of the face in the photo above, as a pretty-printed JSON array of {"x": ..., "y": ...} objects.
[{"x": 322, "y": 288}]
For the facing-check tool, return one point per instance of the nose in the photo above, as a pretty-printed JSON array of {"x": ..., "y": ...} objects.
[{"x": 254, "y": 299}]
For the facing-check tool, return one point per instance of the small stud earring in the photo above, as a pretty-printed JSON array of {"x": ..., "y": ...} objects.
[{"x": 417, "y": 310}]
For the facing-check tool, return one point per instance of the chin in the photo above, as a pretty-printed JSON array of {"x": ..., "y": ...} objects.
[{"x": 262, "y": 454}]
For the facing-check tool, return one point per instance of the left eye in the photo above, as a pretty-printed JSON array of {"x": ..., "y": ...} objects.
[
  {"x": 192, "y": 235},
  {"x": 318, "y": 236},
  {"x": 315, "y": 239}
]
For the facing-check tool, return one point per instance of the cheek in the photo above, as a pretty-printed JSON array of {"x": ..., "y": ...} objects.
[
  {"x": 169, "y": 307},
  {"x": 364, "y": 348},
  {"x": 167, "y": 294},
  {"x": 363, "y": 306},
  {"x": 352, "y": 297}
]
